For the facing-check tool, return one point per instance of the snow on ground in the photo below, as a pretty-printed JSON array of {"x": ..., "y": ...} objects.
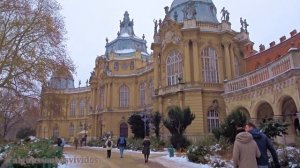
[{"x": 178, "y": 162}]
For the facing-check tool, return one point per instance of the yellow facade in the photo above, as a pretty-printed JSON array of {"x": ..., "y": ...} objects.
[{"x": 208, "y": 56}]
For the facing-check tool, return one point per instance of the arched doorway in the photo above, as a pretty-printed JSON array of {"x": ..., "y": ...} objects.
[
  {"x": 124, "y": 129},
  {"x": 289, "y": 111},
  {"x": 264, "y": 112}
]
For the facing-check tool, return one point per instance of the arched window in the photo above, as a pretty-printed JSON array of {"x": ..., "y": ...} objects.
[
  {"x": 101, "y": 95},
  {"x": 71, "y": 130},
  {"x": 73, "y": 108},
  {"x": 124, "y": 130},
  {"x": 142, "y": 94},
  {"x": 174, "y": 68},
  {"x": 81, "y": 108},
  {"x": 151, "y": 88},
  {"x": 210, "y": 65},
  {"x": 212, "y": 120},
  {"x": 124, "y": 96}
]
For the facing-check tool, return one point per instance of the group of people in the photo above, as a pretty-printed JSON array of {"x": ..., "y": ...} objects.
[
  {"x": 121, "y": 144},
  {"x": 250, "y": 148}
]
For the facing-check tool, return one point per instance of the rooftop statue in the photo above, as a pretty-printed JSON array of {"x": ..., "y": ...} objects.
[{"x": 189, "y": 11}]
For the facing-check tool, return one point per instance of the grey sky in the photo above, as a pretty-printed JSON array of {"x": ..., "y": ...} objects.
[{"x": 89, "y": 22}]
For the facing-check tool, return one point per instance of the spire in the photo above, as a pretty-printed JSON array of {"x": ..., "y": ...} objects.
[{"x": 126, "y": 26}]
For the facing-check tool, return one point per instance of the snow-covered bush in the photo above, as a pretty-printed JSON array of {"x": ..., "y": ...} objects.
[
  {"x": 197, "y": 154},
  {"x": 288, "y": 157}
]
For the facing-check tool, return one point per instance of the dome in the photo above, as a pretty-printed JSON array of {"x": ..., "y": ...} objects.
[
  {"x": 127, "y": 43},
  {"x": 201, "y": 10},
  {"x": 179, "y": 2},
  {"x": 62, "y": 78}
]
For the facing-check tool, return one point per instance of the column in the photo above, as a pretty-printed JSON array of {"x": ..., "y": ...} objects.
[
  {"x": 232, "y": 66},
  {"x": 187, "y": 63},
  {"x": 156, "y": 67},
  {"x": 105, "y": 96},
  {"x": 196, "y": 62},
  {"x": 108, "y": 95},
  {"x": 227, "y": 61}
]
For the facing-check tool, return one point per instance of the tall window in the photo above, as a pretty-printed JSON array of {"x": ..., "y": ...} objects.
[
  {"x": 142, "y": 94},
  {"x": 81, "y": 107},
  {"x": 101, "y": 104},
  {"x": 71, "y": 130},
  {"x": 73, "y": 108},
  {"x": 124, "y": 96},
  {"x": 151, "y": 87},
  {"x": 212, "y": 120},
  {"x": 174, "y": 68},
  {"x": 210, "y": 65}
]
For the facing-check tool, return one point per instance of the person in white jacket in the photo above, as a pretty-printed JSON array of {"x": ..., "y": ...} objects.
[{"x": 109, "y": 144}]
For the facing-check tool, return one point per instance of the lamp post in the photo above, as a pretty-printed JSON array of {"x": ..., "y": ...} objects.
[{"x": 145, "y": 119}]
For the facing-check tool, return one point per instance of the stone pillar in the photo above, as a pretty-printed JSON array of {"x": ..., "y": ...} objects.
[
  {"x": 196, "y": 62},
  {"x": 105, "y": 96},
  {"x": 227, "y": 61},
  {"x": 108, "y": 95},
  {"x": 156, "y": 66},
  {"x": 187, "y": 63}
]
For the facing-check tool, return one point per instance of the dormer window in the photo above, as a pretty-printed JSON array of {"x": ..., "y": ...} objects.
[{"x": 116, "y": 66}]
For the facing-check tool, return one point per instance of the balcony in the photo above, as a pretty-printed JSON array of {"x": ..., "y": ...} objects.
[{"x": 278, "y": 67}]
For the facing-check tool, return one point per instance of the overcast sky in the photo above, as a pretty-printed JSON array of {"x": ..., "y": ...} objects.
[{"x": 89, "y": 22}]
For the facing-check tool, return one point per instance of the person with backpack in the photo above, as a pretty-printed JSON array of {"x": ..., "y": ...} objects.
[
  {"x": 108, "y": 145},
  {"x": 121, "y": 145}
]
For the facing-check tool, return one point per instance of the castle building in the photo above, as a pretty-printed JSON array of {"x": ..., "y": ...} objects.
[{"x": 197, "y": 61}]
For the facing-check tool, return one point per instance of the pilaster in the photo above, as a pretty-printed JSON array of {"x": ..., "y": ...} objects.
[
  {"x": 196, "y": 62},
  {"x": 187, "y": 63}
]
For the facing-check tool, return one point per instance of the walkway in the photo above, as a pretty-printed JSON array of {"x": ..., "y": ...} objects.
[{"x": 96, "y": 158}]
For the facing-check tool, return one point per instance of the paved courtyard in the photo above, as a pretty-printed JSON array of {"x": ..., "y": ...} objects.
[{"x": 91, "y": 158}]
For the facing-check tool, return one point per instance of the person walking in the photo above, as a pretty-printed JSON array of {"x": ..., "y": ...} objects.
[
  {"x": 76, "y": 142},
  {"x": 121, "y": 145},
  {"x": 245, "y": 150},
  {"x": 146, "y": 148},
  {"x": 263, "y": 144},
  {"x": 108, "y": 145}
]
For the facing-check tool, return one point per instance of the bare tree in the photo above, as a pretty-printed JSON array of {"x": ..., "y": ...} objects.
[
  {"x": 31, "y": 49},
  {"x": 31, "y": 44}
]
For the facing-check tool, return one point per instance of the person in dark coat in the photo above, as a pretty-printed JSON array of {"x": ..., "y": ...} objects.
[
  {"x": 263, "y": 144},
  {"x": 297, "y": 125},
  {"x": 121, "y": 144},
  {"x": 146, "y": 148}
]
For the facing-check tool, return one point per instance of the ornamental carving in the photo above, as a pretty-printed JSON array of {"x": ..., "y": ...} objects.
[{"x": 170, "y": 37}]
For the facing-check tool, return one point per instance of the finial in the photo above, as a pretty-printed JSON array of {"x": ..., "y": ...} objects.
[
  {"x": 143, "y": 36},
  {"x": 166, "y": 10},
  {"x": 106, "y": 40}
]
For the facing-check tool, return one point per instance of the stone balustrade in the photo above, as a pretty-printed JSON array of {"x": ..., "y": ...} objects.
[{"x": 268, "y": 72}]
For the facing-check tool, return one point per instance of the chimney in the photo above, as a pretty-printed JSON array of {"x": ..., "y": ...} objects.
[
  {"x": 262, "y": 48},
  {"x": 293, "y": 32},
  {"x": 272, "y": 44},
  {"x": 283, "y": 38}
]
